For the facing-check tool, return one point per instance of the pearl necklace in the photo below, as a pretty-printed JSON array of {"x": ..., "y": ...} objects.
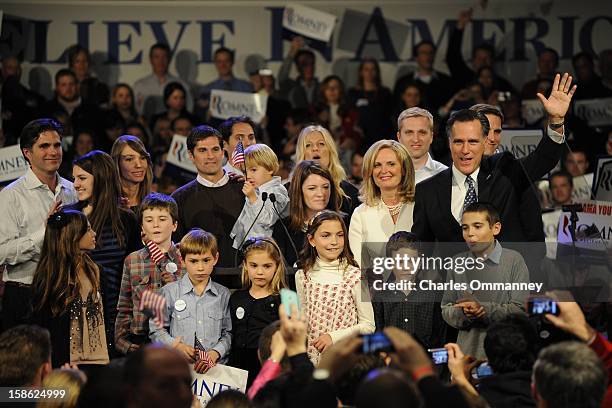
[{"x": 394, "y": 209}]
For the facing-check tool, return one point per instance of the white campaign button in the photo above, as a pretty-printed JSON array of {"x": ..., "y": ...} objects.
[
  {"x": 171, "y": 267},
  {"x": 180, "y": 305},
  {"x": 240, "y": 312}
]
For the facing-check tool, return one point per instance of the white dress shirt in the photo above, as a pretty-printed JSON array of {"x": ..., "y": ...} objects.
[
  {"x": 459, "y": 190},
  {"x": 372, "y": 227},
  {"x": 25, "y": 204},
  {"x": 460, "y": 186},
  {"x": 222, "y": 181},
  {"x": 431, "y": 168}
]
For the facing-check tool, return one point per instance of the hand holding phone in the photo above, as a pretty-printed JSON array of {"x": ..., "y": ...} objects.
[
  {"x": 288, "y": 298},
  {"x": 439, "y": 355},
  {"x": 542, "y": 305},
  {"x": 481, "y": 371},
  {"x": 376, "y": 342}
]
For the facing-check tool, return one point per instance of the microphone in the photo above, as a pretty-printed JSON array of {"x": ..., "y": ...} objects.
[
  {"x": 273, "y": 200},
  {"x": 264, "y": 197},
  {"x": 572, "y": 208}
]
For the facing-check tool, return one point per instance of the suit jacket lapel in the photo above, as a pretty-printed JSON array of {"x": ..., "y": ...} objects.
[{"x": 484, "y": 179}]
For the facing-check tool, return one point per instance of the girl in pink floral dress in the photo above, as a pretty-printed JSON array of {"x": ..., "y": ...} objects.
[{"x": 329, "y": 286}]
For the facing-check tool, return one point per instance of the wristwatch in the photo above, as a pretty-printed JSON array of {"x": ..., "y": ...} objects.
[{"x": 555, "y": 126}]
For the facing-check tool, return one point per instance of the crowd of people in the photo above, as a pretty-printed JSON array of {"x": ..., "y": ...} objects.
[{"x": 311, "y": 199}]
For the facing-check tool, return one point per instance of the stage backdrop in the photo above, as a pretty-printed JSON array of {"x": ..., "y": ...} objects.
[{"x": 119, "y": 34}]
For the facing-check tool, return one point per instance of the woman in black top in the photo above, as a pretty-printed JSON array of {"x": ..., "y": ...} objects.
[
  {"x": 118, "y": 233},
  {"x": 175, "y": 100},
  {"x": 374, "y": 102},
  {"x": 256, "y": 305},
  {"x": 312, "y": 189}
]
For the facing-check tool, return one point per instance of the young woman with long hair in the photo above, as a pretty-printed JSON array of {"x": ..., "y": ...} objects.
[
  {"x": 135, "y": 169},
  {"x": 312, "y": 189},
  {"x": 66, "y": 292},
  {"x": 97, "y": 185}
]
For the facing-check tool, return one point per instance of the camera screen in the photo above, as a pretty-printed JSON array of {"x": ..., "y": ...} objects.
[
  {"x": 439, "y": 356},
  {"x": 542, "y": 306},
  {"x": 375, "y": 342},
  {"x": 484, "y": 370}
]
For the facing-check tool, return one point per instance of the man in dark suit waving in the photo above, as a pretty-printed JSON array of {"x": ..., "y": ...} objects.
[{"x": 499, "y": 179}]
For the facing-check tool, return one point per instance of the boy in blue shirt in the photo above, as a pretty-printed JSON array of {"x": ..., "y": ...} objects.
[{"x": 197, "y": 305}]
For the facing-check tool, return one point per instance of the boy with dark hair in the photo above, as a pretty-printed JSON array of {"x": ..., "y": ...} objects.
[
  {"x": 25, "y": 356},
  {"x": 414, "y": 311},
  {"x": 491, "y": 283},
  {"x": 147, "y": 269},
  {"x": 511, "y": 345}
]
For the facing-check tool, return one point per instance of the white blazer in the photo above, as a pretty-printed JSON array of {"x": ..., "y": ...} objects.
[{"x": 371, "y": 228}]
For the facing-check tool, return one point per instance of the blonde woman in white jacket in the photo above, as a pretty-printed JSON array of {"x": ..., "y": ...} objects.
[{"x": 387, "y": 196}]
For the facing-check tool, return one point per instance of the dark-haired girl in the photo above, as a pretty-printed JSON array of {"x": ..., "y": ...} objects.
[
  {"x": 329, "y": 286},
  {"x": 97, "y": 185},
  {"x": 66, "y": 292}
]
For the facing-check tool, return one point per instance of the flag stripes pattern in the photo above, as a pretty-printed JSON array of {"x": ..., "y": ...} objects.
[
  {"x": 153, "y": 304},
  {"x": 202, "y": 354},
  {"x": 156, "y": 254},
  {"x": 238, "y": 154}
]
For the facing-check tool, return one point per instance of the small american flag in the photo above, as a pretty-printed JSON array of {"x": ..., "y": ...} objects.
[
  {"x": 238, "y": 154},
  {"x": 156, "y": 254},
  {"x": 153, "y": 304},
  {"x": 202, "y": 354}
]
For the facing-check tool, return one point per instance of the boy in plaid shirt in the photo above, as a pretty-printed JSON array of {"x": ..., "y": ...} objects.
[{"x": 150, "y": 268}]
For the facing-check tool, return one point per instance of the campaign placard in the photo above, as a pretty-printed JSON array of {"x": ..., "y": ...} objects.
[
  {"x": 595, "y": 112},
  {"x": 533, "y": 111},
  {"x": 520, "y": 142},
  {"x": 218, "y": 378},
  {"x": 582, "y": 187},
  {"x": 309, "y": 22},
  {"x": 602, "y": 189},
  {"x": 178, "y": 154},
  {"x": 12, "y": 164},
  {"x": 225, "y": 104}
]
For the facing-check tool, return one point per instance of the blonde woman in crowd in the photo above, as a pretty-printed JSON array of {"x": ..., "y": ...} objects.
[
  {"x": 387, "y": 194},
  {"x": 317, "y": 144}
]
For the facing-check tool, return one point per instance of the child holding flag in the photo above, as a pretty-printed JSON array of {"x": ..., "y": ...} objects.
[
  {"x": 266, "y": 197},
  {"x": 147, "y": 270},
  {"x": 196, "y": 304}
]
